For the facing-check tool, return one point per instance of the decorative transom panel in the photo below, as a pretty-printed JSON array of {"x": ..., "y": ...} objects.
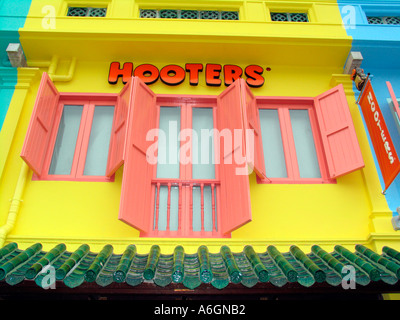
[
  {"x": 189, "y": 14},
  {"x": 86, "y": 12},
  {"x": 384, "y": 20},
  {"x": 287, "y": 16}
]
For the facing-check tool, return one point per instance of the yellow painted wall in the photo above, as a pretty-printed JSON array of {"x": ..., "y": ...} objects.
[{"x": 303, "y": 59}]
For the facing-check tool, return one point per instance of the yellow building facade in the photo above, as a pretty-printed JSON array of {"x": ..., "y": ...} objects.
[{"x": 297, "y": 59}]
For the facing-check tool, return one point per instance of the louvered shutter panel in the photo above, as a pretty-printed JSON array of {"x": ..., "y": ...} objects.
[
  {"x": 116, "y": 153},
  {"x": 136, "y": 205},
  {"x": 39, "y": 130},
  {"x": 235, "y": 191},
  {"x": 339, "y": 138},
  {"x": 251, "y": 122}
]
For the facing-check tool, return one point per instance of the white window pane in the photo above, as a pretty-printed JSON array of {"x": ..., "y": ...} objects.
[
  {"x": 64, "y": 149},
  {"x": 304, "y": 143},
  {"x": 168, "y": 143},
  {"x": 207, "y": 209},
  {"x": 99, "y": 141},
  {"x": 203, "y": 144},
  {"x": 274, "y": 155},
  {"x": 196, "y": 209},
  {"x": 174, "y": 209},
  {"x": 162, "y": 196},
  {"x": 162, "y": 209},
  {"x": 208, "y": 221}
]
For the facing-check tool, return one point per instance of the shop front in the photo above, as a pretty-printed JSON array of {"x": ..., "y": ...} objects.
[{"x": 228, "y": 154}]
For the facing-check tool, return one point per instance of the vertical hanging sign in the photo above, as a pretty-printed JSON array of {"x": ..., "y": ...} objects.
[{"x": 384, "y": 149}]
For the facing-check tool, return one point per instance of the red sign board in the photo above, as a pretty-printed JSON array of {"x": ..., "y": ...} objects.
[{"x": 384, "y": 149}]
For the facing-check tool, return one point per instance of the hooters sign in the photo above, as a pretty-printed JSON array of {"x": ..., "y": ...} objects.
[
  {"x": 172, "y": 75},
  {"x": 384, "y": 149}
]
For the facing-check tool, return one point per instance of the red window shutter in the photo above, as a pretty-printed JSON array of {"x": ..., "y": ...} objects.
[
  {"x": 252, "y": 122},
  {"x": 235, "y": 191},
  {"x": 136, "y": 207},
  {"x": 39, "y": 130},
  {"x": 339, "y": 138},
  {"x": 118, "y": 134}
]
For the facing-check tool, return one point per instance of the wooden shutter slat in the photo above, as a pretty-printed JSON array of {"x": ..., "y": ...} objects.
[
  {"x": 37, "y": 138},
  {"x": 252, "y": 122},
  {"x": 235, "y": 191},
  {"x": 136, "y": 206},
  {"x": 116, "y": 153},
  {"x": 338, "y": 134}
]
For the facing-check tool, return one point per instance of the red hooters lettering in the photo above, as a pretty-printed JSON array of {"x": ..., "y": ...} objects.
[
  {"x": 115, "y": 72},
  {"x": 173, "y": 75},
  {"x": 194, "y": 69},
  {"x": 231, "y": 73},
  {"x": 147, "y": 72},
  {"x": 254, "y": 76},
  {"x": 213, "y": 72}
]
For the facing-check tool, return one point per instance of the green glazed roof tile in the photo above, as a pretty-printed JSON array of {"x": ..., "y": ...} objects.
[
  {"x": 332, "y": 277},
  {"x": 135, "y": 273},
  {"x": 219, "y": 269},
  {"x": 178, "y": 264},
  {"x": 220, "y": 276},
  {"x": 106, "y": 275},
  {"x": 361, "y": 277},
  {"x": 163, "y": 275}
]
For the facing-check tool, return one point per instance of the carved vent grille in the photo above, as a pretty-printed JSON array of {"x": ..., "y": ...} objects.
[
  {"x": 189, "y": 14},
  {"x": 384, "y": 20},
  {"x": 287, "y": 16},
  {"x": 86, "y": 12}
]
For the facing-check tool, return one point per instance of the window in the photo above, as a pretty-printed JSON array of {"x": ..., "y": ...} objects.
[
  {"x": 69, "y": 135},
  {"x": 289, "y": 17},
  {"x": 186, "y": 182},
  {"x": 394, "y": 104},
  {"x": 308, "y": 140},
  {"x": 290, "y": 140},
  {"x": 182, "y": 197},
  {"x": 383, "y": 20},
  {"x": 86, "y": 12},
  {"x": 81, "y": 146},
  {"x": 189, "y": 14}
]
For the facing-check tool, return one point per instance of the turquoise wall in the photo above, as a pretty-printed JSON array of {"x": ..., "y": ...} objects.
[
  {"x": 12, "y": 17},
  {"x": 380, "y": 48}
]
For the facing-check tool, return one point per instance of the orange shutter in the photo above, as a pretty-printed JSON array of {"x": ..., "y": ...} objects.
[
  {"x": 235, "y": 191},
  {"x": 339, "y": 138},
  {"x": 136, "y": 207},
  {"x": 252, "y": 122},
  {"x": 118, "y": 134},
  {"x": 39, "y": 130}
]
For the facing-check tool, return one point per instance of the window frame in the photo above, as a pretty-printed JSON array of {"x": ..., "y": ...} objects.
[
  {"x": 63, "y": 11},
  {"x": 379, "y": 11},
  {"x": 292, "y": 8},
  {"x": 289, "y": 16},
  {"x": 88, "y": 101},
  {"x": 180, "y": 17},
  {"x": 233, "y": 5},
  {"x": 283, "y": 105},
  {"x": 185, "y": 222}
]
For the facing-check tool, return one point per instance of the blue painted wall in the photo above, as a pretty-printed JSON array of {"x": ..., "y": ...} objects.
[
  {"x": 12, "y": 17},
  {"x": 380, "y": 48}
]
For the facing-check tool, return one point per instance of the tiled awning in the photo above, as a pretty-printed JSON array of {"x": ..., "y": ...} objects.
[{"x": 192, "y": 270}]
